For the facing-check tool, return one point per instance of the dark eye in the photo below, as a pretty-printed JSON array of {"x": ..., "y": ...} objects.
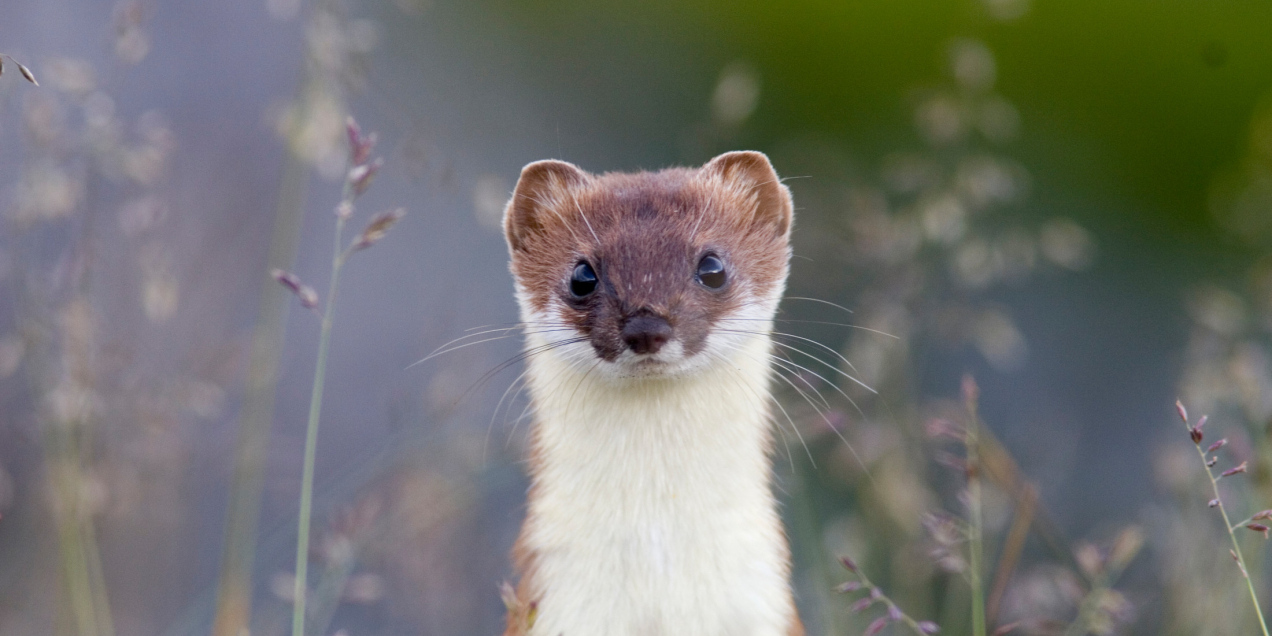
[
  {"x": 583, "y": 281},
  {"x": 711, "y": 272}
]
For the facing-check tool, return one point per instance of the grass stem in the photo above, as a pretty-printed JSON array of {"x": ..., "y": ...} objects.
[
  {"x": 875, "y": 594},
  {"x": 234, "y": 587},
  {"x": 311, "y": 439},
  {"x": 975, "y": 550},
  {"x": 1236, "y": 545}
]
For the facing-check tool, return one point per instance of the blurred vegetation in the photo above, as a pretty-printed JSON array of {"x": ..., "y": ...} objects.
[{"x": 1071, "y": 201}]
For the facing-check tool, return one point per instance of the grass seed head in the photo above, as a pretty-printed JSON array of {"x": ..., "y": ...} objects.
[
  {"x": 378, "y": 227},
  {"x": 360, "y": 145},
  {"x": 876, "y": 626},
  {"x": 361, "y": 175},
  {"x": 306, "y": 294},
  {"x": 1128, "y": 544},
  {"x": 941, "y": 428},
  {"x": 861, "y": 605},
  {"x": 1239, "y": 468},
  {"x": 344, "y": 210},
  {"x": 848, "y": 563},
  {"x": 26, "y": 72},
  {"x": 1195, "y": 431}
]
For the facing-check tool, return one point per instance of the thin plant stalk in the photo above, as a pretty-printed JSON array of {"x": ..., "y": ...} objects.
[
  {"x": 877, "y": 595},
  {"x": 1026, "y": 500},
  {"x": 1236, "y": 545},
  {"x": 234, "y": 586},
  {"x": 77, "y": 535},
  {"x": 975, "y": 549},
  {"x": 235, "y": 581},
  {"x": 77, "y": 560},
  {"x": 63, "y": 443},
  {"x": 1123, "y": 551},
  {"x": 1079, "y": 626},
  {"x": 357, "y": 180},
  {"x": 311, "y": 436}
]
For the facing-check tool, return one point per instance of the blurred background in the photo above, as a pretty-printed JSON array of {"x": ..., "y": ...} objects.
[{"x": 1069, "y": 201}]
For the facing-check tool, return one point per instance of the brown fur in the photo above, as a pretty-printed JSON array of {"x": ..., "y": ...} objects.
[{"x": 644, "y": 234}]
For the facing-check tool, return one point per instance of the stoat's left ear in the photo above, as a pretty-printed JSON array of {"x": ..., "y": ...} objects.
[
  {"x": 751, "y": 173},
  {"x": 541, "y": 193}
]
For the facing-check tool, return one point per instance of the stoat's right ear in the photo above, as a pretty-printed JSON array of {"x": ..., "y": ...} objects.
[
  {"x": 541, "y": 195},
  {"x": 751, "y": 174}
]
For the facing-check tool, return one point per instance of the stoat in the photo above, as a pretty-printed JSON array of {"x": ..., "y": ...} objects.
[{"x": 647, "y": 301}]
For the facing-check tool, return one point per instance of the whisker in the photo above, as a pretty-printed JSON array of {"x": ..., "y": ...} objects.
[
  {"x": 823, "y": 379},
  {"x": 513, "y": 360},
  {"x": 529, "y": 408},
  {"x": 443, "y": 350},
  {"x": 705, "y": 208},
  {"x": 781, "y": 408},
  {"x": 733, "y": 376},
  {"x": 793, "y": 368},
  {"x": 471, "y": 335},
  {"x": 517, "y": 422},
  {"x": 809, "y": 340},
  {"x": 861, "y": 462},
  {"x": 804, "y": 394},
  {"x": 493, "y": 416},
  {"x": 456, "y": 348},
  {"x": 832, "y": 352},
  {"x": 574, "y": 197},
  {"x": 558, "y": 214},
  {"x": 795, "y": 428},
  {"x": 514, "y": 325},
  {"x": 817, "y": 300},
  {"x": 815, "y": 322},
  {"x": 583, "y": 379},
  {"x": 851, "y": 448},
  {"x": 827, "y": 365}
]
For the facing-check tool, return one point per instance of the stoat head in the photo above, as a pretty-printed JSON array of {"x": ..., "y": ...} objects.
[{"x": 650, "y": 273}]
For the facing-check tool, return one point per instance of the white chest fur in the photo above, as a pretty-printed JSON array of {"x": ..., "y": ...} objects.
[{"x": 652, "y": 512}]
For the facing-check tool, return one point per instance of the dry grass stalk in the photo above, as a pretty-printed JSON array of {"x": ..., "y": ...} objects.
[
  {"x": 305, "y": 132},
  {"x": 26, "y": 72},
  {"x": 356, "y": 183},
  {"x": 875, "y": 595},
  {"x": 975, "y": 547},
  {"x": 1208, "y": 462}
]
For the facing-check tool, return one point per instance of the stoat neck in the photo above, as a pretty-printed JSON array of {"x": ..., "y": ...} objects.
[{"x": 651, "y": 510}]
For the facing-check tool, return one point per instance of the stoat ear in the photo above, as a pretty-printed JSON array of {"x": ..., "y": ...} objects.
[
  {"x": 751, "y": 172},
  {"x": 543, "y": 185}
]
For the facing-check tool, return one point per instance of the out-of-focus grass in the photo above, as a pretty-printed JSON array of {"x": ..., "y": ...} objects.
[
  {"x": 320, "y": 92},
  {"x": 920, "y": 244}
]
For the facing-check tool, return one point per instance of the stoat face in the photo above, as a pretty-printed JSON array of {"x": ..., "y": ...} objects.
[{"x": 651, "y": 273}]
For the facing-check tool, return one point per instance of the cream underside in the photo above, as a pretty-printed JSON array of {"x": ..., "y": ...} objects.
[{"x": 653, "y": 512}]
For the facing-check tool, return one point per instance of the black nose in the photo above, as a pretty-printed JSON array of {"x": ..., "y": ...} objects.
[{"x": 645, "y": 333}]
